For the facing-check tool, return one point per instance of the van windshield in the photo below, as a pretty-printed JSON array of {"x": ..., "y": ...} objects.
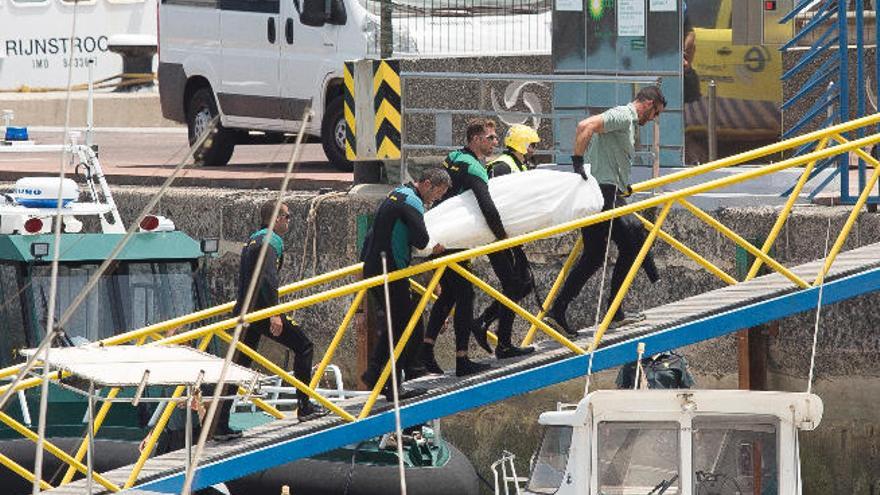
[
  {"x": 548, "y": 465},
  {"x": 130, "y": 296},
  {"x": 703, "y": 13}
]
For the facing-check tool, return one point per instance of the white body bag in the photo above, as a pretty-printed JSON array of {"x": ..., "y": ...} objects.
[{"x": 526, "y": 201}]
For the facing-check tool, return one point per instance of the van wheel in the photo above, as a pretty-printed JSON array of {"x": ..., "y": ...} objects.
[
  {"x": 333, "y": 136},
  {"x": 200, "y": 111}
]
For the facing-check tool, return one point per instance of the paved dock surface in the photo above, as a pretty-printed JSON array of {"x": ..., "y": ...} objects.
[{"x": 145, "y": 157}]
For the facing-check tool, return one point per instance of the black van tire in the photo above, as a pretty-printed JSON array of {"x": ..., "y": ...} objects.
[
  {"x": 200, "y": 110},
  {"x": 333, "y": 136}
]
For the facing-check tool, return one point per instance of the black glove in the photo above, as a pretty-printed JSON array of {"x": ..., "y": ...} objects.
[
  {"x": 577, "y": 163},
  {"x": 628, "y": 192}
]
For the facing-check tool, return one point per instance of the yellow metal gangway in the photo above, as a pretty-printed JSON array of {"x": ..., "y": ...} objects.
[{"x": 828, "y": 142}]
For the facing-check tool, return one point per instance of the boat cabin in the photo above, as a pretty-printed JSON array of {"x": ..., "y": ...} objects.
[{"x": 655, "y": 442}]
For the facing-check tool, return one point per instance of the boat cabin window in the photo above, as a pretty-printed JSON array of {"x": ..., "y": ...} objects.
[
  {"x": 733, "y": 456},
  {"x": 638, "y": 458},
  {"x": 548, "y": 465},
  {"x": 130, "y": 296},
  {"x": 12, "y": 331}
]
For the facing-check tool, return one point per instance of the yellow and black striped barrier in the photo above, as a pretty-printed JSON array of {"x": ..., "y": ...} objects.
[
  {"x": 348, "y": 109},
  {"x": 386, "y": 103}
]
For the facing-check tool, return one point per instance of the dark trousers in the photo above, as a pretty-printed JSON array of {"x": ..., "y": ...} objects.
[
  {"x": 458, "y": 293},
  {"x": 292, "y": 337},
  {"x": 402, "y": 306},
  {"x": 626, "y": 237},
  {"x": 512, "y": 269}
]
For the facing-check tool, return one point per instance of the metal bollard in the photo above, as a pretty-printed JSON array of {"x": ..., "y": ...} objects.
[{"x": 712, "y": 124}]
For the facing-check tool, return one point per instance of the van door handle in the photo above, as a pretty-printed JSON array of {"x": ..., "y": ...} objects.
[
  {"x": 270, "y": 30},
  {"x": 288, "y": 31},
  {"x": 724, "y": 51}
]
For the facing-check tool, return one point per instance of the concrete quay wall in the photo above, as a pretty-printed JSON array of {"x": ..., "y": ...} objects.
[{"x": 840, "y": 457}]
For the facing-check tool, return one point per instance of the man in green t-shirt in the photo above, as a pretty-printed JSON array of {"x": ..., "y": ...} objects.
[{"x": 609, "y": 141}]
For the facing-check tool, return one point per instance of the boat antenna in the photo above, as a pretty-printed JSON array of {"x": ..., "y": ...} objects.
[
  {"x": 245, "y": 308},
  {"x": 818, "y": 312},
  {"x": 394, "y": 387},
  {"x": 598, "y": 307}
]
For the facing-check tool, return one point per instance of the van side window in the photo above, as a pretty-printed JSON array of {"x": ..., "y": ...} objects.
[
  {"x": 263, "y": 6},
  {"x": 208, "y": 4}
]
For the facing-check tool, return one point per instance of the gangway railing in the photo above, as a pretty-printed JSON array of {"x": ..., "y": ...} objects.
[{"x": 829, "y": 142}]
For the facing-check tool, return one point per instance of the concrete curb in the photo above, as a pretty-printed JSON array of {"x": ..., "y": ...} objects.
[{"x": 110, "y": 109}]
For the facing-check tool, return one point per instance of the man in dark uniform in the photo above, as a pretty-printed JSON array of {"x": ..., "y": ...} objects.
[
  {"x": 466, "y": 169},
  {"x": 279, "y": 328},
  {"x": 399, "y": 226},
  {"x": 609, "y": 140},
  {"x": 511, "y": 265}
]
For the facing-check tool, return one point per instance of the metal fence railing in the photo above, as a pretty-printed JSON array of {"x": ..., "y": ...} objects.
[{"x": 463, "y": 27}]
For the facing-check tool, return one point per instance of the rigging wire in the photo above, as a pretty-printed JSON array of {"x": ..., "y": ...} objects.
[
  {"x": 598, "y": 306},
  {"x": 818, "y": 312},
  {"x": 53, "y": 284},
  {"x": 245, "y": 307},
  {"x": 394, "y": 387}
]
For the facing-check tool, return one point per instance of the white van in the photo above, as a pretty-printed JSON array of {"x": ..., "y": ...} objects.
[{"x": 259, "y": 63}]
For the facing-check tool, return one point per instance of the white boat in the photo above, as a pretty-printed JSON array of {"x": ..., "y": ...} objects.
[
  {"x": 655, "y": 442},
  {"x": 36, "y": 39}
]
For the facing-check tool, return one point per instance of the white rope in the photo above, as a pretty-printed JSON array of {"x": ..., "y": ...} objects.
[
  {"x": 397, "y": 428},
  {"x": 818, "y": 312},
  {"x": 245, "y": 307},
  {"x": 598, "y": 306}
]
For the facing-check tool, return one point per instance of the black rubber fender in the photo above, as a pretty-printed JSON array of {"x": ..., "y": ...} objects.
[{"x": 320, "y": 477}]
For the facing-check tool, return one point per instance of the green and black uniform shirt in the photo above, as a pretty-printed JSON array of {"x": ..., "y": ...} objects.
[
  {"x": 266, "y": 294},
  {"x": 398, "y": 226},
  {"x": 468, "y": 174}
]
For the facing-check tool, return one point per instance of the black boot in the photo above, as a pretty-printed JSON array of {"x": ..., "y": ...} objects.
[
  {"x": 509, "y": 351},
  {"x": 308, "y": 411},
  {"x": 556, "y": 318},
  {"x": 465, "y": 367},
  {"x": 426, "y": 357},
  {"x": 480, "y": 337}
]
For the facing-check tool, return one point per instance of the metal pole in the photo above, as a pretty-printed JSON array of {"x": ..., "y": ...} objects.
[
  {"x": 404, "y": 169},
  {"x": 386, "y": 30},
  {"x": 712, "y": 124},
  {"x": 860, "y": 79},
  {"x": 843, "y": 94},
  {"x": 188, "y": 440},
  {"x": 90, "y": 458},
  {"x": 90, "y": 111}
]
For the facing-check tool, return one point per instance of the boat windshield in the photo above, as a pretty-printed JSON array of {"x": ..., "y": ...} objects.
[
  {"x": 128, "y": 297},
  {"x": 734, "y": 456},
  {"x": 638, "y": 458},
  {"x": 548, "y": 465}
]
